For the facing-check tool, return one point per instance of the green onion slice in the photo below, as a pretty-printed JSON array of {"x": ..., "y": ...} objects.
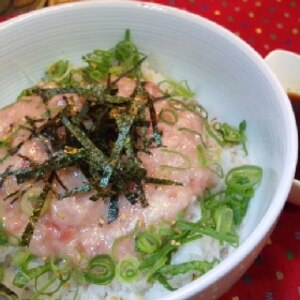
[
  {"x": 1, "y": 273},
  {"x": 163, "y": 274},
  {"x": 223, "y": 217},
  {"x": 179, "y": 88},
  {"x": 186, "y": 162},
  {"x": 168, "y": 116},
  {"x": 101, "y": 270},
  {"x": 3, "y": 235},
  {"x": 58, "y": 71},
  {"x": 244, "y": 177},
  {"x": 146, "y": 242},
  {"x": 195, "y": 133},
  {"x": 127, "y": 269},
  {"x": 21, "y": 257}
]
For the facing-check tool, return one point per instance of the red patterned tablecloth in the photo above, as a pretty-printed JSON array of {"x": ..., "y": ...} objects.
[{"x": 265, "y": 25}]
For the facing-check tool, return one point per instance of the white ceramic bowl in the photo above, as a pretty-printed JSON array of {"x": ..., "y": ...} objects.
[{"x": 231, "y": 80}]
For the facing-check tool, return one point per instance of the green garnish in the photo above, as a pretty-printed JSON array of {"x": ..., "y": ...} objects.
[
  {"x": 164, "y": 273},
  {"x": 146, "y": 242},
  {"x": 127, "y": 269},
  {"x": 186, "y": 163},
  {"x": 101, "y": 270},
  {"x": 25, "y": 274},
  {"x": 1, "y": 273},
  {"x": 243, "y": 177},
  {"x": 195, "y": 133},
  {"x": 3, "y": 235},
  {"x": 168, "y": 116},
  {"x": 21, "y": 256},
  {"x": 179, "y": 88},
  {"x": 225, "y": 135},
  {"x": 4, "y": 143},
  {"x": 239, "y": 189},
  {"x": 115, "y": 61},
  {"x": 223, "y": 217},
  {"x": 58, "y": 71}
]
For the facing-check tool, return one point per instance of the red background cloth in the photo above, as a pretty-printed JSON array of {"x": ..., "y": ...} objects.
[{"x": 265, "y": 25}]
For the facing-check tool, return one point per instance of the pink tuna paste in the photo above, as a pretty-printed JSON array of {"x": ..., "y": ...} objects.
[{"x": 76, "y": 225}]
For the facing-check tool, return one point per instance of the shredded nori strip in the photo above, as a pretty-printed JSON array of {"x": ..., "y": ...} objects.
[
  {"x": 160, "y": 181},
  {"x": 82, "y": 189},
  {"x": 113, "y": 209},
  {"x": 156, "y": 133},
  {"x": 60, "y": 161},
  {"x": 8, "y": 292},
  {"x": 5, "y": 174},
  {"x": 28, "y": 232}
]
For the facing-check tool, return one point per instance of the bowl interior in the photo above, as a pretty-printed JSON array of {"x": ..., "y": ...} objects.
[{"x": 230, "y": 80}]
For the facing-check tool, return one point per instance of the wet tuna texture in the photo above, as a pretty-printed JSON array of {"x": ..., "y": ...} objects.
[{"x": 76, "y": 225}]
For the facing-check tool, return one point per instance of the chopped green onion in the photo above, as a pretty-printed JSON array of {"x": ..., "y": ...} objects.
[
  {"x": 148, "y": 263},
  {"x": 126, "y": 51},
  {"x": 197, "y": 109},
  {"x": 165, "y": 272},
  {"x": 186, "y": 162},
  {"x": 4, "y": 143},
  {"x": 21, "y": 257},
  {"x": 3, "y": 235},
  {"x": 127, "y": 269},
  {"x": 44, "y": 289},
  {"x": 146, "y": 242},
  {"x": 101, "y": 270},
  {"x": 217, "y": 169},
  {"x": 179, "y": 88},
  {"x": 1, "y": 273},
  {"x": 122, "y": 238},
  {"x": 195, "y": 133},
  {"x": 58, "y": 276},
  {"x": 58, "y": 71},
  {"x": 168, "y": 116},
  {"x": 213, "y": 134},
  {"x": 24, "y": 275},
  {"x": 223, "y": 217},
  {"x": 201, "y": 156},
  {"x": 244, "y": 177}
]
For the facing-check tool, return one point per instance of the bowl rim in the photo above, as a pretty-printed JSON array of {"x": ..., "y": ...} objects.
[{"x": 263, "y": 228}]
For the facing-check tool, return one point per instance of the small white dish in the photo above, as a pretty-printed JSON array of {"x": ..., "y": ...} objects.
[{"x": 286, "y": 66}]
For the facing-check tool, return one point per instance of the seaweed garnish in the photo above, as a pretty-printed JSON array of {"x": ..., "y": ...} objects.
[
  {"x": 113, "y": 209},
  {"x": 28, "y": 232},
  {"x": 156, "y": 133},
  {"x": 101, "y": 136}
]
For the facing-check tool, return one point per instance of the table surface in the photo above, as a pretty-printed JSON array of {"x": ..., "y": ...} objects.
[{"x": 266, "y": 26}]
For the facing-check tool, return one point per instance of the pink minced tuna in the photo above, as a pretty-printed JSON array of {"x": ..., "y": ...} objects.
[{"x": 76, "y": 225}]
